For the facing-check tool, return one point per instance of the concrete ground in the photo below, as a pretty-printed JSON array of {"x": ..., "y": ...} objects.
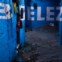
[{"x": 46, "y": 40}]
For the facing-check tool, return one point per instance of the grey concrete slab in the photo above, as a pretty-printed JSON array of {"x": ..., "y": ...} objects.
[{"x": 47, "y": 45}]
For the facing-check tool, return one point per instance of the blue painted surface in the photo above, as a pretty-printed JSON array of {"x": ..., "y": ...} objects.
[
  {"x": 43, "y": 4},
  {"x": 22, "y": 30},
  {"x": 22, "y": 34},
  {"x": 60, "y": 32},
  {"x": 60, "y": 26},
  {"x": 7, "y": 36}
]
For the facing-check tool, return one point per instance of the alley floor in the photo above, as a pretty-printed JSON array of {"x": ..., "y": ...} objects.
[{"x": 46, "y": 40}]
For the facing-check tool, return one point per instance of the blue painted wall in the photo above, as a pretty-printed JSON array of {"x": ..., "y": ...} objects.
[
  {"x": 60, "y": 25},
  {"x": 43, "y": 4},
  {"x": 60, "y": 32},
  {"x": 7, "y": 34},
  {"x": 22, "y": 31}
]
